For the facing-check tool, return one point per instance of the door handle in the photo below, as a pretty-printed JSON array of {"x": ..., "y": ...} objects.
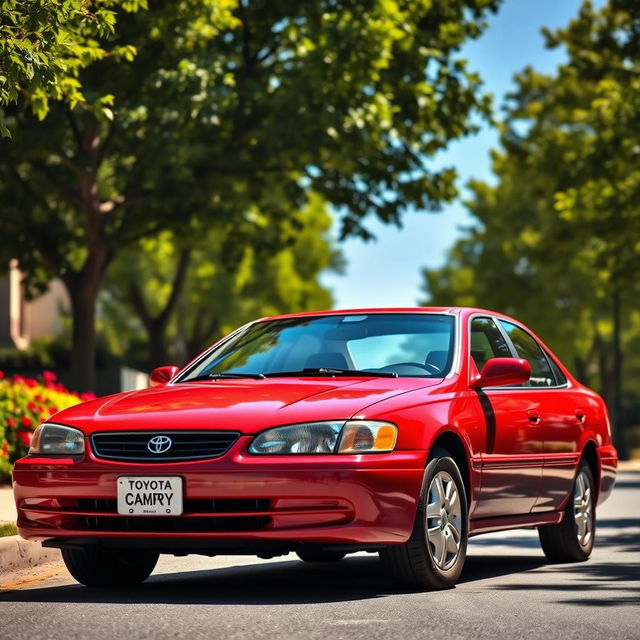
[
  {"x": 580, "y": 415},
  {"x": 534, "y": 416}
]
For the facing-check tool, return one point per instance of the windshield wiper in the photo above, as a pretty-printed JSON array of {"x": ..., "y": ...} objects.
[
  {"x": 333, "y": 371},
  {"x": 222, "y": 375}
]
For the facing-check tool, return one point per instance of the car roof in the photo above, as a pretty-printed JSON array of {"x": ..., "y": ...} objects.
[{"x": 331, "y": 312}]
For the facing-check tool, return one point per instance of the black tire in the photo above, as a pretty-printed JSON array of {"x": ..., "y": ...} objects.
[
  {"x": 95, "y": 566},
  {"x": 319, "y": 555},
  {"x": 563, "y": 542},
  {"x": 413, "y": 564}
]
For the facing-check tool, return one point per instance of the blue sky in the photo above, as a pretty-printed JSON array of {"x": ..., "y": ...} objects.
[{"x": 386, "y": 272}]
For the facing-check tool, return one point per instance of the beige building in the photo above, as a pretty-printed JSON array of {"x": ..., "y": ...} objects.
[{"x": 21, "y": 320}]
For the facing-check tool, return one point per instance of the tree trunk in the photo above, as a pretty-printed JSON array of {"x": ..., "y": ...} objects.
[
  {"x": 158, "y": 347},
  {"x": 580, "y": 368},
  {"x": 603, "y": 352},
  {"x": 617, "y": 413},
  {"x": 83, "y": 287},
  {"x": 83, "y": 348}
]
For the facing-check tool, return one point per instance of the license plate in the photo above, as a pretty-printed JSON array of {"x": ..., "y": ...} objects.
[{"x": 150, "y": 495}]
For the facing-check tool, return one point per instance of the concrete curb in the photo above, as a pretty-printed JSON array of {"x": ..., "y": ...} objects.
[
  {"x": 16, "y": 554},
  {"x": 628, "y": 465}
]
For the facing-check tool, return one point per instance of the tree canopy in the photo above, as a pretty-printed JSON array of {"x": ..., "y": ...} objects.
[
  {"x": 229, "y": 105},
  {"x": 44, "y": 46}
]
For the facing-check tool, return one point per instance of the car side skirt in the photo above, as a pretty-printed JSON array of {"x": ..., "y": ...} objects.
[{"x": 488, "y": 525}]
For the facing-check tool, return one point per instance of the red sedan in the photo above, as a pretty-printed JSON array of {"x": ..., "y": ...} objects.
[{"x": 397, "y": 431}]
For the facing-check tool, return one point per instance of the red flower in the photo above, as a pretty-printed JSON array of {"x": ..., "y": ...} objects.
[
  {"x": 11, "y": 422},
  {"x": 53, "y": 410},
  {"x": 30, "y": 382},
  {"x": 25, "y": 437},
  {"x": 5, "y": 449},
  {"x": 38, "y": 398},
  {"x": 31, "y": 406},
  {"x": 26, "y": 421},
  {"x": 1, "y": 374},
  {"x": 18, "y": 378},
  {"x": 49, "y": 376},
  {"x": 85, "y": 397}
]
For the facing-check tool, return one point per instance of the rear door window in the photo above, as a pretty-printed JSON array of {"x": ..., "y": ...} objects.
[
  {"x": 557, "y": 372},
  {"x": 526, "y": 347}
]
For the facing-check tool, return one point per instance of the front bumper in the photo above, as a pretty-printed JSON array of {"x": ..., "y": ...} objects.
[{"x": 358, "y": 500}]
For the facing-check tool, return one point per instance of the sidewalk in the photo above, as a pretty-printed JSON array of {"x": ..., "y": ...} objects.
[
  {"x": 629, "y": 465},
  {"x": 7, "y": 505},
  {"x": 15, "y": 553}
]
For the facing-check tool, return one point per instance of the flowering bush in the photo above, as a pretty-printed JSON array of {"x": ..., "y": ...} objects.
[{"x": 24, "y": 404}]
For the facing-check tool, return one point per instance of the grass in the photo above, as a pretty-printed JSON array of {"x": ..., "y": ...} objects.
[{"x": 8, "y": 529}]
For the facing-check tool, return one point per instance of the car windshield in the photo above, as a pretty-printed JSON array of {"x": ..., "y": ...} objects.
[{"x": 381, "y": 344}]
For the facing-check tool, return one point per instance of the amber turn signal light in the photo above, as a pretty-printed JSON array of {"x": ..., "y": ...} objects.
[{"x": 368, "y": 436}]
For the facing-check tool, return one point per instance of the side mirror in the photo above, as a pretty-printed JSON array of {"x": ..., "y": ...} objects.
[
  {"x": 162, "y": 375},
  {"x": 501, "y": 372}
]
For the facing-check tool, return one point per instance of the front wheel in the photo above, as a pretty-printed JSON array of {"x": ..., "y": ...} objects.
[
  {"x": 434, "y": 555},
  {"x": 572, "y": 539},
  {"x": 96, "y": 566}
]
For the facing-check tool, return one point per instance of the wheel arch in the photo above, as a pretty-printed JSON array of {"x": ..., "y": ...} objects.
[
  {"x": 590, "y": 455},
  {"x": 452, "y": 442}
]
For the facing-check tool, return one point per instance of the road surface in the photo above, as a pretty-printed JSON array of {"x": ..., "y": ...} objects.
[{"x": 507, "y": 591}]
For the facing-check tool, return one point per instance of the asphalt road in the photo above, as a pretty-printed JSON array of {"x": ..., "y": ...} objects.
[{"x": 507, "y": 591}]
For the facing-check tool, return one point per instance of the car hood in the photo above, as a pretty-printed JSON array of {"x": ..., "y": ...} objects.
[{"x": 243, "y": 405}]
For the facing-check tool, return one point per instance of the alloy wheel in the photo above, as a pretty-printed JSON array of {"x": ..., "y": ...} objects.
[
  {"x": 583, "y": 509},
  {"x": 444, "y": 520}
]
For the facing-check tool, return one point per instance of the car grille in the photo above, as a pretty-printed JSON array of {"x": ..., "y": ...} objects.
[
  {"x": 191, "y": 505},
  {"x": 185, "y": 445},
  {"x": 212, "y": 515}
]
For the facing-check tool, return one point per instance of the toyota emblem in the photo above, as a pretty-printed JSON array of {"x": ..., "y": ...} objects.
[{"x": 159, "y": 444}]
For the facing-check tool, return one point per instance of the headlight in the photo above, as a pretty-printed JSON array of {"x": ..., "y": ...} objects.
[
  {"x": 57, "y": 439},
  {"x": 352, "y": 436}
]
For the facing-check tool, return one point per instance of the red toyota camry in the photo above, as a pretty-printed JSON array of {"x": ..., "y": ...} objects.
[{"x": 397, "y": 431}]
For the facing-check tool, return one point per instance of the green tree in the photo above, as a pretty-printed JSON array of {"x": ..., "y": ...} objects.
[
  {"x": 185, "y": 297},
  {"x": 558, "y": 239},
  {"x": 229, "y": 105},
  {"x": 44, "y": 46}
]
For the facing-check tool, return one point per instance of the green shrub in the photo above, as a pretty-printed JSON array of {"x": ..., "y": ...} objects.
[{"x": 8, "y": 529}]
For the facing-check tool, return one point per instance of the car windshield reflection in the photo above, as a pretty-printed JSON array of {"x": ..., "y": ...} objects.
[{"x": 376, "y": 345}]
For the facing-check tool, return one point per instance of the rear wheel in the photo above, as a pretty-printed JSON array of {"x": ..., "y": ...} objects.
[
  {"x": 96, "y": 566},
  {"x": 319, "y": 555},
  {"x": 572, "y": 539},
  {"x": 434, "y": 555}
]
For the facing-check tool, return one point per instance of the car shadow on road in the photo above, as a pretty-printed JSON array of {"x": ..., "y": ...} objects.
[
  {"x": 628, "y": 482},
  {"x": 285, "y": 582},
  {"x": 290, "y": 581},
  {"x": 592, "y": 583},
  {"x": 586, "y": 584},
  {"x": 618, "y": 532}
]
